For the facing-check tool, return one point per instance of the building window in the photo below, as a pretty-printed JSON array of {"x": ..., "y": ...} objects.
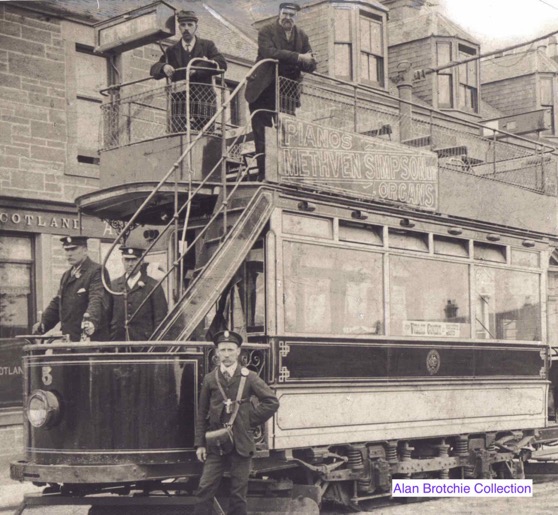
[
  {"x": 91, "y": 76},
  {"x": 371, "y": 50},
  {"x": 233, "y": 114},
  {"x": 359, "y": 46},
  {"x": 458, "y": 86},
  {"x": 343, "y": 45},
  {"x": 445, "y": 77},
  {"x": 547, "y": 102},
  {"x": 468, "y": 80},
  {"x": 16, "y": 280}
]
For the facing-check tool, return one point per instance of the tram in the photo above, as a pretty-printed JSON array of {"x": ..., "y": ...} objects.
[{"x": 392, "y": 287}]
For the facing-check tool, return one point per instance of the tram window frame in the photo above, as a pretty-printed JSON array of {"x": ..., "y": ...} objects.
[
  {"x": 487, "y": 328},
  {"x": 348, "y": 231},
  {"x": 398, "y": 237},
  {"x": 449, "y": 243},
  {"x": 291, "y": 326},
  {"x": 489, "y": 252},
  {"x": 516, "y": 258},
  {"x": 311, "y": 221},
  {"x": 445, "y": 326}
]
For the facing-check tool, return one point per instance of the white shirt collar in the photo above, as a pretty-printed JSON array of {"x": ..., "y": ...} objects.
[
  {"x": 190, "y": 45},
  {"x": 231, "y": 370},
  {"x": 132, "y": 281}
]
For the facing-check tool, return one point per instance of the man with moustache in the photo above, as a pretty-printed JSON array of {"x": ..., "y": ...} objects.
[
  {"x": 203, "y": 104},
  {"x": 219, "y": 398},
  {"x": 82, "y": 305},
  {"x": 284, "y": 41}
]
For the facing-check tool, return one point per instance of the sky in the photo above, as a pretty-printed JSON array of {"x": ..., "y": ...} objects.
[{"x": 497, "y": 23}]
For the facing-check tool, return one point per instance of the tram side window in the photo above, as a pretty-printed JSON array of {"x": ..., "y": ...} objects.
[
  {"x": 329, "y": 290},
  {"x": 507, "y": 304},
  {"x": 429, "y": 298}
]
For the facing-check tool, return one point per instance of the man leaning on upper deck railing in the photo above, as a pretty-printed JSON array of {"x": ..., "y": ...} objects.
[
  {"x": 203, "y": 103},
  {"x": 284, "y": 41}
]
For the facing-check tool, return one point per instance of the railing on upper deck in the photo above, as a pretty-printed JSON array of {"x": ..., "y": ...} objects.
[
  {"x": 461, "y": 145},
  {"x": 136, "y": 111}
]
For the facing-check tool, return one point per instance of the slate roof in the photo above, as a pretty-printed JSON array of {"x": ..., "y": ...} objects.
[
  {"x": 517, "y": 64},
  {"x": 426, "y": 25}
]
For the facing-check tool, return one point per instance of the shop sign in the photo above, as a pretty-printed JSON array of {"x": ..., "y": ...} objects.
[
  {"x": 350, "y": 163},
  {"x": 45, "y": 222}
]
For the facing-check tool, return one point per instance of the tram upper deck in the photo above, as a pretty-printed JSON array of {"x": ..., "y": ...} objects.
[{"x": 346, "y": 140}]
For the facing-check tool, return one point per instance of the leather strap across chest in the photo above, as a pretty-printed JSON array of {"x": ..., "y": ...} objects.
[{"x": 238, "y": 397}]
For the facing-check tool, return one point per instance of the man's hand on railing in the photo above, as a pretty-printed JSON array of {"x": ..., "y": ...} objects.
[
  {"x": 307, "y": 59},
  {"x": 168, "y": 70}
]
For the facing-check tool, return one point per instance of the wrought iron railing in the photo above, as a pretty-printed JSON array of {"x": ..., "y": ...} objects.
[
  {"x": 461, "y": 145},
  {"x": 137, "y": 111}
]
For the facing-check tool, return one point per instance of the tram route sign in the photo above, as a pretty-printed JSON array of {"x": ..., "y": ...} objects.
[{"x": 350, "y": 163}]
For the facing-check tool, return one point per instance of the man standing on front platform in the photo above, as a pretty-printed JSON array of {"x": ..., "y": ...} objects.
[
  {"x": 139, "y": 287},
  {"x": 284, "y": 41},
  {"x": 82, "y": 304},
  {"x": 217, "y": 405}
]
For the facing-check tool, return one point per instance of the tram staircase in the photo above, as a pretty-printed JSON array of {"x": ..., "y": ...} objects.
[{"x": 241, "y": 211}]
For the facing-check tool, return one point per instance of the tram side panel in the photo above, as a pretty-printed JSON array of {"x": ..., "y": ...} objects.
[{"x": 349, "y": 367}]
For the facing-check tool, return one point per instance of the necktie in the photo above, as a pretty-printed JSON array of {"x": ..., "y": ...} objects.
[{"x": 226, "y": 375}]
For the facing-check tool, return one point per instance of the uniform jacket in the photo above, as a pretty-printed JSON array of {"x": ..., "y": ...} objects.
[
  {"x": 79, "y": 295},
  {"x": 149, "y": 317},
  {"x": 273, "y": 44},
  {"x": 211, "y": 411},
  {"x": 176, "y": 56}
]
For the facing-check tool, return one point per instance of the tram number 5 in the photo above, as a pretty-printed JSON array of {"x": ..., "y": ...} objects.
[{"x": 47, "y": 377}]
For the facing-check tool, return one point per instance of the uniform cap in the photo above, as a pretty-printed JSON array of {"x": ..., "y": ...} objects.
[
  {"x": 131, "y": 252},
  {"x": 72, "y": 242},
  {"x": 289, "y": 5},
  {"x": 227, "y": 336},
  {"x": 186, "y": 16}
]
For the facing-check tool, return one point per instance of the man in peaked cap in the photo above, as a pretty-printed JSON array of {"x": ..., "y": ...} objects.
[
  {"x": 139, "y": 287},
  {"x": 203, "y": 102},
  {"x": 215, "y": 410},
  {"x": 82, "y": 305},
  {"x": 284, "y": 41}
]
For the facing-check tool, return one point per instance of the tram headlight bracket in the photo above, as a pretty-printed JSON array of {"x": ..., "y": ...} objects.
[{"x": 43, "y": 409}]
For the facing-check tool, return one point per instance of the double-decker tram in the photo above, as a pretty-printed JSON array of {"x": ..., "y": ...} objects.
[{"x": 393, "y": 288}]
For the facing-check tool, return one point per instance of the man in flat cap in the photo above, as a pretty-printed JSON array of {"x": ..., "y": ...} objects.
[
  {"x": 284, "y": 41},
  {"x": 225, "y": 396},
  {"x": 203, "y": 103},
  {"x": 82, "y": 305},
  {"x": 140, "y": 289}
]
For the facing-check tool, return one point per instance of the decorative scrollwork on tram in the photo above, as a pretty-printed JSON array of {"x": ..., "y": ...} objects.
[
  {"x": 284, "y": 374},
  {"x": 254, "y": 360},
  {"x": 284, "y": 349},
  {"x": 433, "y": 362}
]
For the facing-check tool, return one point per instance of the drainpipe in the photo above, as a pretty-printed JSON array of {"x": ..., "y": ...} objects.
[{"x": 405, "y": 86}]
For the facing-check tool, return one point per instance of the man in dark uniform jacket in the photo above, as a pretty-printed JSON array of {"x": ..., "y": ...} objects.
[
  {"x": 284, "y": 41},
  {"x": 202, "y": 96},
  {"x": 214, "y": 411},
  {"x": 82, "y": 303},
  {"x": 139, "y": 286}
]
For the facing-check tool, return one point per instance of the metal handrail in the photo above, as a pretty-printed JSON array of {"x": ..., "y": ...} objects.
[{"x": 173, "y": 169}]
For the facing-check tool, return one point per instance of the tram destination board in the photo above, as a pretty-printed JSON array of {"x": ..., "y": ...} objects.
[{"x": 357, "y": 165}]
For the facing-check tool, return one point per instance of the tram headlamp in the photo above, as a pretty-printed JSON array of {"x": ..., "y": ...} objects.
[{"x": 43, "y": 409}]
